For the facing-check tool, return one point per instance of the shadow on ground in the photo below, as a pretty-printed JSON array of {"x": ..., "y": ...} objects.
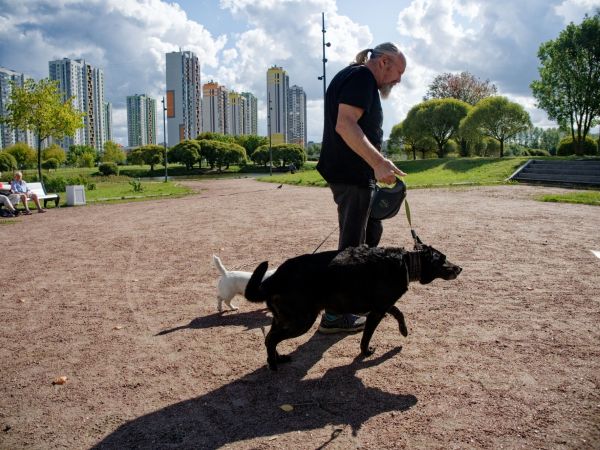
[{"x": 250, "y": 407}]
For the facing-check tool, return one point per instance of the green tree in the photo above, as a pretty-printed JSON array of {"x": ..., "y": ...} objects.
[
  {"x": 50, "y": 163},
  {"x": 8, "y": 163},
  {"x": 569, "y": 85},
  {"x": 286, "y": 154},
  {"x": 135, "y": 156},
  {"x": 23, "y": 154},
  {"x": 233, "y": 154},
  {"x": 261, "y": 155},
  {"x": 186, "y": 152},
  {"x": 215, "y": 137},
  {"x": 39, "y": 107},
  {"x": 496, "y": 117},
  {"x": 438, "y": 119},
  {"x": 152, "y": 155},
  {"x": 251, "y": 142},
  {"x": 113, "y": 152},
  {"x": 81, "y": 156},
  {"x": 54, "y": 151}
]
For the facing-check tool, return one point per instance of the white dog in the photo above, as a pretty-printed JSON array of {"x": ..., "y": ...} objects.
[{"x": 232, "y": 283}]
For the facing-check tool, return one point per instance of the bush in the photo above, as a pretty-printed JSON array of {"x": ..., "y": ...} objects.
[
  {"x": 56, "y": 183},
  {"x": 50, "y": 163},
  {"x": 108, "y": 168},
  {"x": 8, "y": 163},
  {"x": 567, "y": 147}
]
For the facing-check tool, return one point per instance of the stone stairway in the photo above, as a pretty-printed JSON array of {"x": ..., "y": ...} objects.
[{"x": 560, "y": 172}]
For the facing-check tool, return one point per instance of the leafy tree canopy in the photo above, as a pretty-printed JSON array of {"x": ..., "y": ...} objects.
[
  {"x": 39, "y": 107},
  {"x": 463, "y": 86},
  {"x": 569, "y": 85},
  {"x": 496, "y": 117}
]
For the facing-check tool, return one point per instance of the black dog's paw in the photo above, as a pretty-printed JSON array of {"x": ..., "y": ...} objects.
[
  {"x": 368, "y": 351},
  {"x": 403, "y": 330}
]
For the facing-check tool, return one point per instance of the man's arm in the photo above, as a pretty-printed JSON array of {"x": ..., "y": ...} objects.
[{"x": 347, "y": 127}]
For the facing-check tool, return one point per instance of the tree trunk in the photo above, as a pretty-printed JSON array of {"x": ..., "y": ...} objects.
[
  {"x": 39, "y": 159},
  {"x": 501, "y": 148}
]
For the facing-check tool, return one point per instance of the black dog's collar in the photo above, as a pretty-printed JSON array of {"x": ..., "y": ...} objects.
[{"x": 414, "y": 266}]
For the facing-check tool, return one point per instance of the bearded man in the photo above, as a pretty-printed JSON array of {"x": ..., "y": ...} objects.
[{"x": 351, "y": 161}]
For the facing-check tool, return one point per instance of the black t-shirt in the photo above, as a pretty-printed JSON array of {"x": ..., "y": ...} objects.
[{"x": 355, "y": 86}]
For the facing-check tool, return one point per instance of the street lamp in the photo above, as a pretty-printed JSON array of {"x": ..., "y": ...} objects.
[
  {"x": 165, "y": 138},
  {"x": 325, "y": 44}
]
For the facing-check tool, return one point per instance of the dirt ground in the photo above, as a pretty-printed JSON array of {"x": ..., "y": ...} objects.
[{"x": 120, "y": 299}]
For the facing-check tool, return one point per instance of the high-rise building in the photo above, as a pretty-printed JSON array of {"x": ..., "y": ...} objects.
[
  {"x": 184, "y": 119},
  {"x": 8, "y": 135},
  {"x": 214, "y": 108},
  {"x": 236, "y": 113},
  {"x": 84, "y": 84},
  {"x": 277, "y": 87},
  {"x": 107, "y": 121},
  {"x": 251, "y": 114},
  {"x": 141, "y": 120},
  {"x": 296, "y": 116}
]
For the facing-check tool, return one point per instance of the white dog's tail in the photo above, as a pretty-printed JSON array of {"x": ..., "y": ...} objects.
[{"x": 219, "y": 265}]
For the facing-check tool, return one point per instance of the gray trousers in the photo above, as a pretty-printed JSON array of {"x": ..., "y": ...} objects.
[{"x": 356, "y": 228}]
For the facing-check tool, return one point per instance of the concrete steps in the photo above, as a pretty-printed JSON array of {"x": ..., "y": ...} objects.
[{"x": 560, "y": 172}]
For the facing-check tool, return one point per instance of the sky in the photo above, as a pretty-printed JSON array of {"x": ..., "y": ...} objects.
[{"x": 238, "y": 40}]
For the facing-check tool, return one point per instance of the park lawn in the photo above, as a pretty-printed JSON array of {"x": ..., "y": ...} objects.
[
  {"x": 123, "y": 191},
  {"x": 430, "y": 172},
  {"x": 586, "y": 198}
]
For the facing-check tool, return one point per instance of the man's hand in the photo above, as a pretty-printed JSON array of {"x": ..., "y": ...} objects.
[{"x": 386, "y": 172}]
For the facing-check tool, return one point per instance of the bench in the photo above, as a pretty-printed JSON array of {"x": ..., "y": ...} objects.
[{"x": 38, "y": 189}]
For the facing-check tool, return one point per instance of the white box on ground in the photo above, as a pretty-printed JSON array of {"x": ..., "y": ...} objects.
[{"x": 75, "y": 195}]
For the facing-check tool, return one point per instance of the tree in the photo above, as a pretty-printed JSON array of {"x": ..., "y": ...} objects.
[
  {"x": 81, "y": 156},
  {"x": 438, "y": 119},
  {"x": 215, "y": 137},
  {"x": 186, "y": 152},
  {"x": 152, "y": 155},
  {"x": 251, "y": 142},
  {"x": 23, "y": 154},
  {"x": 54, "y": 151},
  {"x": 569, "y": 85},
  {"x": 8, "y": 163},
  {"x": 286, "y": 154},
  {"x": 496, "y": 117},
  {"x": 113, "y": 152},
  {"x": 39, "y": 107},
  {"x": 463, "y": 86}
]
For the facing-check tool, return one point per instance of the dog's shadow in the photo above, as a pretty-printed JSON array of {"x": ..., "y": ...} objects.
[
  {"x": 249, "y": 408},
  {"x": 250, "y": 319}
]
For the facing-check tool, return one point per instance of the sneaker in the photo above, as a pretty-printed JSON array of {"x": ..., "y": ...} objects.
[
  {"x": 27, "y": 212},
  {"x": 16, "y": 213},
  {"x": 41, "y": 210},
  {"x": 347, "y": 323}
]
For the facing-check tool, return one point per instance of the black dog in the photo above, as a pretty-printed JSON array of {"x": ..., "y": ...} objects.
[{"x": 357, "y": 280}]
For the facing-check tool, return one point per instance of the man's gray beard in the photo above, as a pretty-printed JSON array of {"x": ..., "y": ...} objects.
[{"x": 385, "y": 90}]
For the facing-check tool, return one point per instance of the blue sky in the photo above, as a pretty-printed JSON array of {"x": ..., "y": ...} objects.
[{"x": 237, "y": 40}]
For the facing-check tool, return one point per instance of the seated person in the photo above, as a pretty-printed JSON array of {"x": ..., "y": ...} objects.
[
  {"x": 19, "y": 186},
  {"x": 7, "y": 201}
]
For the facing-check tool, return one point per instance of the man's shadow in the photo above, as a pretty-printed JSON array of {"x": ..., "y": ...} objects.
[{"x": 250, "y": 407}]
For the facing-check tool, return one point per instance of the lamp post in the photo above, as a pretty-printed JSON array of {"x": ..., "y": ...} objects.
[
  {"x": 269, "y": 129},
  {"x": 325, "y": 44},
  {"x": 165, "y": 138}
]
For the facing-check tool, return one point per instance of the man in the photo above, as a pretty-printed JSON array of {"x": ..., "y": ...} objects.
[
  {"x": 19, "y": 187},
  {"x": 7, "y": 199},
  {"x": 350, "y": 159}
]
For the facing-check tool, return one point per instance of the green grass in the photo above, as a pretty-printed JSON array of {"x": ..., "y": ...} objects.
[
  {"x": 586, "y": 198},
  {"x": 430, "y": 172},
  {"x": 118, "y": 191}
]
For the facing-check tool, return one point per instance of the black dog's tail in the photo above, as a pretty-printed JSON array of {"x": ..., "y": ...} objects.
[{"x": 254, "y": 292}]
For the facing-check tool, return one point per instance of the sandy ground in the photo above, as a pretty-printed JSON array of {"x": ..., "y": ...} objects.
[{"x": 120, "y": 299}]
